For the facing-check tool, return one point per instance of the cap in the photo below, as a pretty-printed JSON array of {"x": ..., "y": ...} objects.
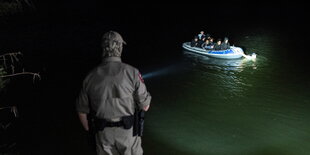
[
  {"x": 225, "y": 38},
  {"x": 113, "y": 36}
]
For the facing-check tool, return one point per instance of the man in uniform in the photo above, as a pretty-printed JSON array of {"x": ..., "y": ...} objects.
[{"x": 112, "y": 92}]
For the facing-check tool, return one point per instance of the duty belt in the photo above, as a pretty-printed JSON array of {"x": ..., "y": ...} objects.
[
  {"x": 114, "y": 124},
  {"x": 126, "y": 122}
]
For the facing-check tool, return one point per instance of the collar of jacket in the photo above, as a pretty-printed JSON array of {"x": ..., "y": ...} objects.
[{"x": 112, "y": 59}]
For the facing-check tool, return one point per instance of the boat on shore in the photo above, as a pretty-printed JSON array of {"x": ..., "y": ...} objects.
[{"x": 232, "y": 53}]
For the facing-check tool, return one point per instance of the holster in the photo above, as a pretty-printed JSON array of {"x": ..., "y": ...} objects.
[
  {"x": 138, "y": 126},
  {"x": 92, "y": 131}
]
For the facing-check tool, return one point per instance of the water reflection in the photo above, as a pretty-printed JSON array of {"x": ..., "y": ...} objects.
[
  {"x": 225, "y": 76},
  {"x": 231, "y": 106}
]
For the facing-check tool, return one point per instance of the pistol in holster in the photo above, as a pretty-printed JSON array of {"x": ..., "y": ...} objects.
[
  {"x": 138, "y": 125},
  {"x": 92, "y": 131}
]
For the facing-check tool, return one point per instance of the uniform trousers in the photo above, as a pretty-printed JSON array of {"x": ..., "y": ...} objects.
[{"x": 118, "y": 141}]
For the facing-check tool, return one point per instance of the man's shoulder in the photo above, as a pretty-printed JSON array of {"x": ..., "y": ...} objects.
[
  {"x": 129, "y": 67},
  {"x": 91, "y": 73}
]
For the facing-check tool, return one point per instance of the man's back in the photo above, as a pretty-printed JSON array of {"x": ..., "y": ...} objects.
[{"x": 110, "y": 87}]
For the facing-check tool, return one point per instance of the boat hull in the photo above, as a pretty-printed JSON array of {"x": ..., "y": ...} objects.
[{"x": 232, "y": 53}]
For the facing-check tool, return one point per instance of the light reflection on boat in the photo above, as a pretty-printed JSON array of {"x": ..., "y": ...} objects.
[{"x": 220, "y": 64}]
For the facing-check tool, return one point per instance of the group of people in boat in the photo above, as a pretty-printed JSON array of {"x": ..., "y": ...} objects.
[{"x": 205, "y": 41}]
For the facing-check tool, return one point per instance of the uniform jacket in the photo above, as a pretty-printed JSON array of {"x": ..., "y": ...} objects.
[{"x": 113, "y": 90}]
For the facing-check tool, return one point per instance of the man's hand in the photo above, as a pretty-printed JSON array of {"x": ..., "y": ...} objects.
[
  {"x": 146, "y": 108},
  {"x": 84, "y": 121},
  {"x": 15, "y": 111}
]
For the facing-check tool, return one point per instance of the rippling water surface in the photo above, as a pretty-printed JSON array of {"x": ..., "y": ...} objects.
[{"x": 203, "y": 105}]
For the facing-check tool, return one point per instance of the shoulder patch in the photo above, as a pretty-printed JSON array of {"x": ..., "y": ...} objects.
[{"x": 140, "y": 77}]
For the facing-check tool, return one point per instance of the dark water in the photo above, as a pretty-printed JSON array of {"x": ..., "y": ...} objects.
[
  {"x": 200, "y": 105},
  {"x": 213, "y": 106}
]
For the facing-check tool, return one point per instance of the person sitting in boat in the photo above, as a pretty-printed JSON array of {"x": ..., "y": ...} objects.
[
  {"x": 201, "y": 35},
  {"x": 225, "y": 44},
  {"x": 194, "y": 42},
  {"x": 206, "y": 45},
  {"x": 201, "y": 42},
  {"x": 211, "y": 43},
  {"x": 218, "y": 45}
]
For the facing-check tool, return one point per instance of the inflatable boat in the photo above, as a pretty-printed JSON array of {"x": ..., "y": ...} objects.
[{"x": 232, "y": 53}]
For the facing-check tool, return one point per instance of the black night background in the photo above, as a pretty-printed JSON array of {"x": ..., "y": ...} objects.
[{"x": 60, "y": 40}]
